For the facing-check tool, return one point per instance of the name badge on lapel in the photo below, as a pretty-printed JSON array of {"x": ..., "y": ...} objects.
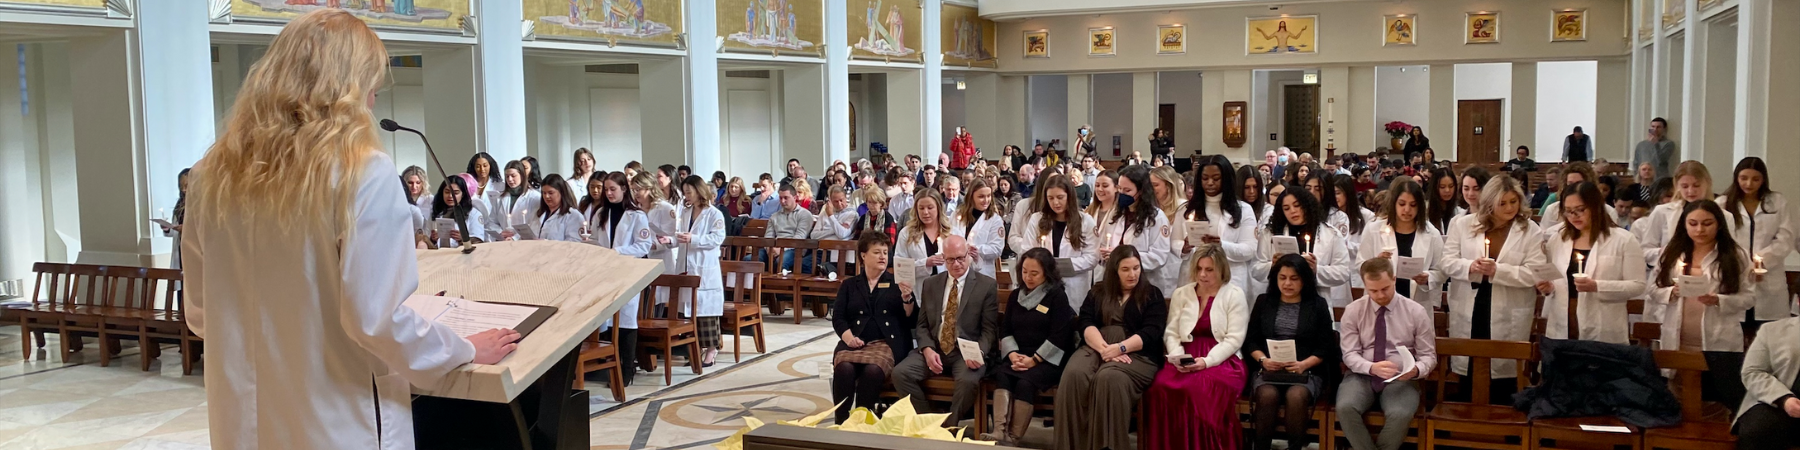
[
  {"x": 1043, "y": 309},
  {"x": 881, "y": 286}
]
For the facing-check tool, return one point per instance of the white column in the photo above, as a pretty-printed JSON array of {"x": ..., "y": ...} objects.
[
  {"x": 905, "y": 115},
  {"x": 1361, "y": 134},
  {"x": 1143, "y": 113},
  {"x": 1755, "y": 22},
  {"x": 1613, "y": 134},
  {"x": 1443, "y": 111},
  {"x": 176, "y": 71},
  {"x": 1692, "y": 91},
  {"x": 22, "y": 228},
  {"x": 451, "y": 111},
  {"x": 106, "y": 148},
  {"x": 932, "y": 48},
  {"x": 501, "y": 86},
  {"x": 981, "y": 112},
  {"x": 1524, "y": 114},
  {"x": 1081, "y": 112},
  {"x": 837, "y": 86},
  {"x": 664, "y": 123},
  {"x": 703, "y": 88},
  {"x": 1011, "y": 115},
  {"x": 804, "y": 128}
]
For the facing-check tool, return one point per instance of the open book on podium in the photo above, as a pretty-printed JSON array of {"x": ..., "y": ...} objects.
[{"x": 585, "y": 284}]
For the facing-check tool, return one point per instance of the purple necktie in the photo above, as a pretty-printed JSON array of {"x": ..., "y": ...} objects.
[{"x": 1381, "y": 345}]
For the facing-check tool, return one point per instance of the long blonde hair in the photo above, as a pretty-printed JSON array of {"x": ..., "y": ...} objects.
[
  {"x": 916, "y": 226},
  {"x": 301, "y": 117},
  {"x": 1171, "y": 205}
]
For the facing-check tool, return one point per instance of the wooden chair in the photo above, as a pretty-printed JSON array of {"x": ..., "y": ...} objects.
[
  {"x": 1645, "y": 334},
  {"x": 168, "y": 324},
  {"x": 75, "y": 321},
  {"x": 1698, "y": 429},
  {"x": 1566, "y": 432},
  {"x": 1479, "y": 423},
  {"x": 598, "y": 354},
  {"x": 666, "y": 333},
  {"x": 818, "y": 286},
  {"x": 743, "y": 308},
  {"x": 136, "y": 314},
  {"x": 775, "y": 284},
  {"x": 1440, "y": 322},
  {"x": 756, "y": 227},
  {"x": 55, "y": 285},
  {"x": 1323, "y": 415},
  {"x": 740, "y": 248}
]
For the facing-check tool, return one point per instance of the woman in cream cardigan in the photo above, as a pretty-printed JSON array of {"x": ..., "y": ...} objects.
[
  {"x": 1596, "y": 262},
  {"x": 1195, "y": 391}
]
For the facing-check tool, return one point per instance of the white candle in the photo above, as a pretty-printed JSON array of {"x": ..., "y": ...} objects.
[
  {"x": 1759, "y": 262},
  {"x": 1681, "y": 267},
  {"x": 1044, "y": 242},
  {"x": 1487, "y": 247},
  {"x": 1308, "y": 238},
  {"x": 1580, "y": 265}
]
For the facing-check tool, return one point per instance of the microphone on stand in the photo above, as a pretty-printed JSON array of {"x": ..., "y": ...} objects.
[{"x": 461, "y": 218}]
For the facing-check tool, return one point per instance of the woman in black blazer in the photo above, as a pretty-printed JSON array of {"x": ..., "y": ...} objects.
[
  {"x": 1291, "y": 310},
  {"x": 873, "y": 317}
]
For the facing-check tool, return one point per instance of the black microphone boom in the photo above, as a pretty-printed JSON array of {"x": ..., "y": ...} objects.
[{"x": 391, "y": 126}]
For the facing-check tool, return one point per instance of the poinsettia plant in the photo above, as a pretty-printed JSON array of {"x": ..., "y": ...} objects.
[{"x": 1397, "y": 129}]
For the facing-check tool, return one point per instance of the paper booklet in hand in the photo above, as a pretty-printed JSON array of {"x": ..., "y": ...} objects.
[
  {"x": 904, "y": 270},
  {"x": 969, "y": 349},
  {"x": 1284, "y": 245},
  {"x": 1198, "y": 230},
  {"x": 468, "y": 317},
  {"x": 1406, "y": 362},
  {"x": 1408, "y": 266},
  {"x": 1283, "y": 351}
]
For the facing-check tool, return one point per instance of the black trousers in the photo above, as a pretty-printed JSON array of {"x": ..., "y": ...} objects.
[{"x": 1767, "y": 427}]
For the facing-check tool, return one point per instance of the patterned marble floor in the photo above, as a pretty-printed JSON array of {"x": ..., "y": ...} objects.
[{"x": 76, "y": 404}]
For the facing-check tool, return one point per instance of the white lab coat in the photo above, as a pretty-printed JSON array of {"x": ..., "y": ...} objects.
[
  {"x": 1076, "y": 284},
  {"x": 1655, "y": 230},
  {"x": 311, "y": 348},
  {"x": 1521, "y": 263},
  {"x": 422, "y": 211},
  {"x": 507, "y": 211},
  {"x": 1772, "y": 236},
  {"x": 564, "y": 227},
  {"x": 1613, "y": 264},
  {"x": 1257, "y": 285},
  {"x": 1427, "y": 243},
  {"x": 1239, "y": 242},
  {"x": 907, "y": 247},
  {"x": 1021, "y": 211},
  {"x": 489, "y": 194},
  {"x": 987, "y": 240},
  {"x": 700, "y": 257},
  {"x": 1722, "y": 324},
  {"x": 663, "y": 219},
  {"x": 1152, "y": 244},
  {"x": 474, "y": 221},
  {"x": 1329, "y": 250},
  {"x": 1352, "y": 245},
  {"x": 1174, "y": 275},
  {"x": 631, "y": 238},
  {"x": 1551, "y": 215}
]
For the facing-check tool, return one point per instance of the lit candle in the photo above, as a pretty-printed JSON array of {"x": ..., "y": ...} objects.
[
  {"x": 1759, "y": 262},
  {"x": 1681, "y": 267},
  {"x": 1580, "y": 265},
  {"x": 1109, "y": 238},
  {"x": 1308, "y": 239},
  {"x": 1044, "y": 242},
  {"x": 1487, "y": 247}
]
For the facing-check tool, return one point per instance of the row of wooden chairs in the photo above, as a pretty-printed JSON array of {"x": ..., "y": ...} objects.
[
  {"x": 660, "y": 334},
  {"x": 109, "y": 304}
]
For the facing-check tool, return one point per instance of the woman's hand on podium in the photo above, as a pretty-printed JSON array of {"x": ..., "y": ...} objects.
[{"x": 493, "y": 345}]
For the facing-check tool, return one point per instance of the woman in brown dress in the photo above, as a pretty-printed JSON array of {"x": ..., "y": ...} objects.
[
  {"x": 873, "y": 317},
  {"x": 1121, "y": 324}
]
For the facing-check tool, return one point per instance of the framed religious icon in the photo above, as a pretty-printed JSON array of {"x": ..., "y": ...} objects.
[
  {"x": 1235, "y": 118},
  {"x": 1481, "y": 28},
  {"x": 1171, "y": 39},
  {"x": 1037, "y": 44},
  {"x": 1399, "y": 29},
  {"x": 1281, "y": 35},
  {"x": 1100, "y": 42},
  {"x": 1568, "y": 25}
]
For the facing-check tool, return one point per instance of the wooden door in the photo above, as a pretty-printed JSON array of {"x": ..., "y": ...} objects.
[
  {"x": 1478, "y": 131},
  {"x": 1300, "y": 117},
  {"x": 1165, "y": 119}
]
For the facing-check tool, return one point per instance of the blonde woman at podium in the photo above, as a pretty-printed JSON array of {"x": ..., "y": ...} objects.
[
  {"x": 702, "y": 231},
  {"x": 616, "y": 222},
  {"x": 297, "y": 286}
]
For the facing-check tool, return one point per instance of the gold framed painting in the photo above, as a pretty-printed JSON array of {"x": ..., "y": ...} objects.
[
  {"x": 651, "y": 21},
  {"x": 1233, "y": 126},
  {"x": 755, "y": 26},
  {"x": 1568, "y": 25},
  {"x": 1399, "y": 29},
  {"x": 968, "y": 39},
  {"x": 441, "y": 15},
  {"x": 886, "y": 30},
  {"x": 1171, "y": 39},
  {"x": 1481, "y": 27},
  {"x": 1037, "y": 44},
  {"x": 1281, "y": 35},
  {"x": 1100, "y": 42}
]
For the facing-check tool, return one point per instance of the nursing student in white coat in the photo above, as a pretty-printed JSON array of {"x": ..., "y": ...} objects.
[
  {"x": 1442, "y": 186},
  {"x": 1255, "y": 194},
  {"x": 1693, "y": 183},
  {"x": 616, "y": 222},
  {"x": 1401, "y": 230},
  {"x": 1597, "y": 262},
  {"x": 413, "y": 179},
  {"x": 1234, "y": 224},
  {"x": 1573, "y": 173},
  {"x": 1171, "y": 195},
  {"x": 1706, "y": 321},
  {"x": 487, "y": 184},
  {"x": 1495, "y": 260},
  {"x": 1767, "y": 229},
  {"x": 453, "y": 200},
  {"x": 663, "y": 225},
  {"x": 703, "y": 231},
  {"x": 584, "y": 171},
  {"x": 923, "y": 236},
  {"x": 515, "y": 205},
  {"x": 979, "y": 221},
  {"x": 1302, "y": 217},
  {"x": 1024, "y": 208},
  {"x": 1352, "y": 221},
  {"x": 557, "y": 219},
  {"x": 1140, "y": 224},
  {"x": 312, "y": 348},
  {"x": 1066, "y": 231}
]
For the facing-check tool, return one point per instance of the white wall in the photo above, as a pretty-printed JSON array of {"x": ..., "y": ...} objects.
[
  {"x": 1565, "y": 100},
  {"x": 1403, "y": 93},
  {"x": 1182, "y": 89},
  {"x": 1112, "y": 115},
  {"x": 1267, "y": 108},
  {"x": 955, "y": 114},
  {"x": 1483, "y": 82},
  {"x": 1047, "y": 104}
]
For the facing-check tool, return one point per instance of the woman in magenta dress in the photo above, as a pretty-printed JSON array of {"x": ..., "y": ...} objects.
[{"x": 1196, "y": 393}]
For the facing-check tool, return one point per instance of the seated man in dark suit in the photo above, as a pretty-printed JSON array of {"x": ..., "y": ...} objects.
[{"x": 959, "y": 304}]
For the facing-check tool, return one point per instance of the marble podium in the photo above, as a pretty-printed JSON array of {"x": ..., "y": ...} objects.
[{"x": 527, "y": 400}]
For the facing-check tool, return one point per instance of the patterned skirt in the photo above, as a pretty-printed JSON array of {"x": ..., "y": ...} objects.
[
  {"x": 711, "y": 335},
  {"x": 875, "y": 353}
]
